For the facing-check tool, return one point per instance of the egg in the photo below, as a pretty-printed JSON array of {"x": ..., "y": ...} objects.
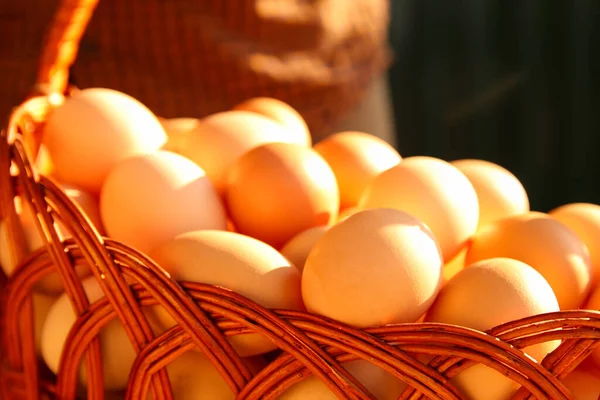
[
  {"x": 356, "y": 158},
  {"x": 454, "y": 266},
  {"x": 297, "y": 249},
  {"x": 41, "y": 307},
  {"x": 376, "y": 267},
  {"x": 194, "y": 377},
  {"x": 499, "y": 192},
  {"x": 346, "y": 212},
  {"x": 237, "y": 262},
  {"x": 543, "y": 243},
  {"x": 43, "y": 163},
  {"x": 380, "y": 383},
  {"x": 174, "y": 126},
  {"x": 434, "y": 191},
  {"x": 221, "y": 138},
  {"x": 149, "y": 199},
  {"x": 487, "y": 294},
  {"x": 50, "y": 284},
  {"x": 277, "y": 190},
  {"x": 282, "y": 113},
  {"x": 230, "y": 226},
  {"x": 584, "y": 220},
  {"x": 584, "y": 383},
  {"x": 93, "y": 131},
  {"x": 88, "y": 203},
  {"x": 177, "y": 130},
  {"x": 116, "y": 350}
]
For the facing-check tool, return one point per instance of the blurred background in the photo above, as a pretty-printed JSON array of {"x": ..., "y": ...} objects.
[{"x": 516, "y": 82}]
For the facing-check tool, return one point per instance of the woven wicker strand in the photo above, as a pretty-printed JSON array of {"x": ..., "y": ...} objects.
[
  {"x": 62, "y": 44},
  {"x": 206, "y": 316},
  {"x": 167, "y": 292}
]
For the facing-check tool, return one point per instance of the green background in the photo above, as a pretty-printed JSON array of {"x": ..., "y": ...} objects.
[{"x": 515, "y": 82}]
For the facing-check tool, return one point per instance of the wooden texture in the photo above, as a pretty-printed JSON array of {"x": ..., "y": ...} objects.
[{"x": 191, "y": 58}]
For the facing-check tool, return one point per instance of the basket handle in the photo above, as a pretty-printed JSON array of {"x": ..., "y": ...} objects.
[{"x": 62, "y": 43}]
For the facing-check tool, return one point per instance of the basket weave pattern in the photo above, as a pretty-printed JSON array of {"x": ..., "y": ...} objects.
[
  {"x": 189, "y": 58},
  {"x": 207, "y": 315}
]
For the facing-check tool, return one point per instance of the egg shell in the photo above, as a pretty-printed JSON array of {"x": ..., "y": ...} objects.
[
  {"x": 116, "y": 350},
  {"x": 434, "y": 191},
  {"x": 177, "y": 130},
  {"x": 487, "y": 294},
  {"x": 454, "y": 266},
  {"x": 149, "y": 199},
  {"x": 376, "y": 267},
  {"x": 346, "y": 212},
  {"x": 221, "y": 138},
  {"x": 237, "y": 262},
  {"x": 43, "y": 163},
  {"x": 356, "y": 158},
  {"x": 89, "y": 204},
  {"x": 41, "y": 307},
  {"x": 584, "y": 220},
  {"x": 50, "y": 284},
  {"x": 500, "y": 193},
  {"x": 543, "y": 243},
  {"x": 282, "y": 113},
  {"x": 584, "y": 383},
  {"x": 194, "y": 377},
  {"x": 230, "y": 226},
  {"x": 297, "y": 249},
  {"x": 380, "y": 383},
  {"x": 278, "y": 190},
  {"x": 94, "y": 130}
]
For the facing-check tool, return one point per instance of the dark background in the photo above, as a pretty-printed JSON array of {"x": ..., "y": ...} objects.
[{"x": 515, "y": 82}]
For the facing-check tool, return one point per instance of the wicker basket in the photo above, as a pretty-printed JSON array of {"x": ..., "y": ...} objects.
[{"x": 206, "y": 315}]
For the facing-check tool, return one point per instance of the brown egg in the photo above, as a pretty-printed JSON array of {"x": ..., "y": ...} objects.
[
  {"x": 44, "y": 165},
  {"x": 177, "y": 130},
  {"x": 376, "y": 267},
  {"x": 194, "y": 377},
  {"x": 499, "y": 192},
  {"x": 94, "y": 130},
  {"x": 584, "y": 220},
  {"x": 277, "y": 190},
  {"x": 435, "y": 192},
  {"x": 89, "y": 204},
  {"x": 230, "y": 226},
  {"x": 297, "y": 249},
  {"x": 356, "y": 158},
  {"x": 41, "y": 307},
  {"x": 150, "y": 199},
  {"x": 237, "y": 262},
  {"x": 454, "y": 266},
  {"x": 380, "y": 383},
  {"x": 220, "y": 139},
  {"x": 346, "y": 212},
  {"x": 487, "y": 294},
  {"x": 51, "y": 284},
  {"x": 117, "y": 352},
  {"x": 282, "y": 113},
  {"x": 543, "y": 243},
  {"x": 584, "y": 383}
]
